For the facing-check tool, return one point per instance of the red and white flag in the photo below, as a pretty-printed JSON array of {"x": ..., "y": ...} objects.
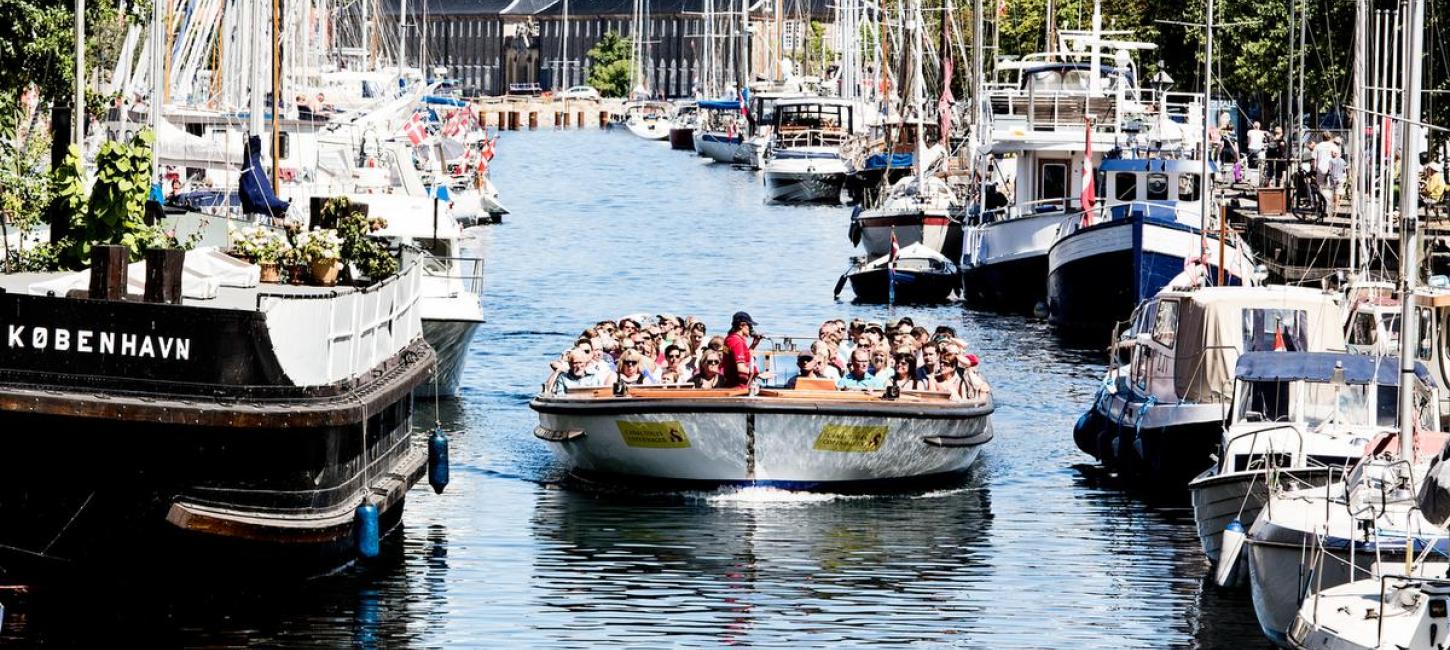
[
  {"x": 944, "y": 105},
  {"x": 895, "y": 247},
  {"x": 1089, "y": 184},
  {"x": 457, "y": 123},
  {"x": 415, "y": 130},
  {"x": 488, "y": 146}
]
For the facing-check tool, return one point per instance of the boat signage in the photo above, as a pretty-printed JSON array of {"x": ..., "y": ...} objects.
[
  {"x": 654, "y": 435},
  {"x": 96, "y": 341},
  {"x": 850, "y": 438}
]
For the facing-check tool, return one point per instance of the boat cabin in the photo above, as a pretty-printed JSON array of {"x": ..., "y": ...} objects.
[{"x": 816, "y": 122}]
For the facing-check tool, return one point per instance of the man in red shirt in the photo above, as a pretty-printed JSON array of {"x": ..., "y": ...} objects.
[{"x": 739, "y": 360}]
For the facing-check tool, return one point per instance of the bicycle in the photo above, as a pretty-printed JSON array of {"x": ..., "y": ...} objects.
[{"x": 1306, "y": 202}]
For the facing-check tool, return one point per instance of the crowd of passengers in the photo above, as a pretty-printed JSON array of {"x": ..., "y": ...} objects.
[{"x": 679, "y": 351}]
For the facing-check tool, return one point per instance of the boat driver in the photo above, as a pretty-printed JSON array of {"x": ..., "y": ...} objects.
[{"x": 740, "y": 368}]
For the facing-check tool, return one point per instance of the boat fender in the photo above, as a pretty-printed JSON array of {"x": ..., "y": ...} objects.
[
  {"x": 1229, "y": 551},
  {"x": 1085, "y": 432},
  {"x": 438, "y": 460},
  {"x": 855, "y": 231},
  {"x": 366, "y": 517}
]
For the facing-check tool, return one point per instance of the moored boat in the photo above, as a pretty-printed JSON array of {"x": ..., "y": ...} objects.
[{"x": 917, "y": 274}]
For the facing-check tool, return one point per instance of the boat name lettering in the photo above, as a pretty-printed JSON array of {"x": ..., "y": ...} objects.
[
  {"x": 654, "y": 435},
  {"x": 845, "y": 437},
  {"x": 23, "y": 337}
]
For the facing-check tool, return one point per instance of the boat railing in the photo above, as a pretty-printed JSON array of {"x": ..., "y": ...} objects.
[
  {"x": 463, "y": 275},
  {"x": 1268, "y": 457},
  {"x": 795, "y": 138},
  {"x": 357, "y": 329},
  {"x": 1030, "y": 208}
]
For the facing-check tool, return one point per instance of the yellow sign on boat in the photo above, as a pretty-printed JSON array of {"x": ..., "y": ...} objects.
[
  {"x": 843, "y": 437},
  {"x": 653, "y": 435}
]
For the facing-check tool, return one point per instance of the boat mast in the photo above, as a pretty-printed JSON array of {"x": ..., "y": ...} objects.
[
  {"x": 1356, "y": 140},
  {"x": 254, "y": 69},
  {"x": 157, "y": 17},
  {"x": 1409, "y": 225},
  {"x": 918, "y": 97},
  {"x": 1205, "y": 193},
  {"x": 402, "y": 35},
  {"x": 276, "y": 89},
  {"x": 78, "y": 114}
]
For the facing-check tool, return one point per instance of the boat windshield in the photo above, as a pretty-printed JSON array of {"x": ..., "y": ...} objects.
[{"x": 1318, "y": 404}]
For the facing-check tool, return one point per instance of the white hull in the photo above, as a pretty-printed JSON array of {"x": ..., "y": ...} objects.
[
  {"x": 651, "y": 129},
  {"x": 450, "y": 340},
  {"x": 1218, "y": 500},
  {"x": 1010, "y": 240},
  {"x": 932, "y": 229},
  {"x": 718, "y": 148},
  {"x": 808, "y": 180},
  {"x": 752, "y": 445}
]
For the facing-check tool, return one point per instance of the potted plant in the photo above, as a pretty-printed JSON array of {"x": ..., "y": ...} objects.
[
  {"x": 264, "y": 247},
  {"x": 321, "y": 248}
]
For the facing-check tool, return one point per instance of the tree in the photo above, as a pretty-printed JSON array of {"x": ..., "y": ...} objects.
[{"x": 613, "y": 66}]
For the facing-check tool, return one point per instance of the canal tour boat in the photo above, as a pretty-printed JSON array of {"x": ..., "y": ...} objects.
[
  {"x": 1304, "y": 417},
  {"x": 1148, "y": 231},
  {"x": 810, "y": 436},
  {"x": 805, "y": 163},
  {"x": 184, "y": 420},
  {"x": 1160, "y": 410}
]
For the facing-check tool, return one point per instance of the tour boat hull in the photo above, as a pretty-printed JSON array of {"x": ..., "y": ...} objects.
[{"x": 762, "y": 441}]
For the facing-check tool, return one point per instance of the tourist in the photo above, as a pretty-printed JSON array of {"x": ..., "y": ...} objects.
[
  {"x": 628, "y": 327},
  {"x": 904, "y": 371},
  {"x": 1276, "y": 152},
  {"x": 674, "y": 370},
  {"x": 880, "y": 360},
  {"x": 709, "y": 375},
  {"x": 632, "y": 370},
  {"x": 930, "y": 361},
  {"x": 858, "y": 373},
  {"x": 825, "y": 360},
  {"x": 175, "y": 191},
  {"x": 1323, "y": 162},
  {"x": 740, "y": 368},
  {"x": 1258, "y": 139},
  {"x": 1338, "y": 170},
  {"x": 576, "y": 376},
  {"x": 920, "y": 336}
]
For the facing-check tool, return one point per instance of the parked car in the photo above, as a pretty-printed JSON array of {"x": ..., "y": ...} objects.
[
  {"x": 579, "y": 92},
  {"x": 525, "y": 89}
]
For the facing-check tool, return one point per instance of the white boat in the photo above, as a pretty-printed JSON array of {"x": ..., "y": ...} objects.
[
  {"x": 805, "y": 164},
  {"x": 1394, "y": 610},
  {"x": 1036, "y": 131},
  {"x": 1364, "y": 519},
  {"x": 920, "y": 209},
  {"x": 1303, "y": 416},
  {"x": 649, "y": 120},
  {"x": 1160, "y": 410},
  {"x": 450, "y": 302},
  {"x": 801, "y": 438}
]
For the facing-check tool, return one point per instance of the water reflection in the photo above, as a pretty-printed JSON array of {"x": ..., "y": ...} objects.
[{"x": 761, "y": 566}]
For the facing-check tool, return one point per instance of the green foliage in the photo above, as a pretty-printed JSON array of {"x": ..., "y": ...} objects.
[
  {"x": 817, "y": 51},
  {"x": 114, "y": 211},
  {"x": 613, "y": 63},
  {"x": 369, "y": 255},
  {"x": 37, "y": 50},
  {"x": 24, "y": 187}
]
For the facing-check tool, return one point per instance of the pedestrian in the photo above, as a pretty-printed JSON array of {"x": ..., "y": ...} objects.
[
  {"x": 1275, "y": 152},
  {"x": 1324, "y": 154}
]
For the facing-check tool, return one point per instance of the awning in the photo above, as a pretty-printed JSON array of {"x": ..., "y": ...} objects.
[{"x": 1319, "y": 367}]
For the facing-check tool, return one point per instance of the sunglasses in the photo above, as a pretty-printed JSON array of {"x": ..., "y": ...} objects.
[
  {"x": 631, "y": 363},
  {"x": 712, "y": 362},
  {"x": 673, "y": 356}
]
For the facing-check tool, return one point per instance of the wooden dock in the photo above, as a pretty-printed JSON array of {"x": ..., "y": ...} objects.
[{"x": 533, "y": 113}]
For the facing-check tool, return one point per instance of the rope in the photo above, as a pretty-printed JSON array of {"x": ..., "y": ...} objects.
[{"x": 73, "y": 517}]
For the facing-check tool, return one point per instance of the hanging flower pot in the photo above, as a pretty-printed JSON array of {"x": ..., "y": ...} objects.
[
  {"x": 271, "y": 272},
  {"x": 324, "y": 272}
]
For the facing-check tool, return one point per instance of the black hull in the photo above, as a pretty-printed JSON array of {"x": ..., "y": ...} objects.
[
  {"x": 912, "y": 287},
  {"x": 1089, "y": 296},
  {"x": 682, "y": 139},
  {"x": 119, "y": 464},
  {"x": 1018, "y": 286},
  {"x": 1166, "y": 456}
]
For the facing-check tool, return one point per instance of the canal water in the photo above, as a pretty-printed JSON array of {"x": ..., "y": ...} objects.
[{"x": 1032, "y": 549}]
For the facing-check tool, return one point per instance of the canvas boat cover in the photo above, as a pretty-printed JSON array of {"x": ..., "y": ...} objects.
[
  {"x": 1319, "y": 367},
  {"x": 1212, "y": 326}
]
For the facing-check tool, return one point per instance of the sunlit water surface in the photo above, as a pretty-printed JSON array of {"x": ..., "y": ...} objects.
[{"x": 1026, "y": 551}]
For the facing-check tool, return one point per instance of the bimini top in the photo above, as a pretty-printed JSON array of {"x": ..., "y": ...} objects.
[
  {"x": 1319, "y": 367},
  {"x": 720, "y": 104},
  {"x": 1171, "y": 165}
]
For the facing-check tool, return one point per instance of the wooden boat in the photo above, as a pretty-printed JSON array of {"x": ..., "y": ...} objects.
[{"x": 808, "y": 437}]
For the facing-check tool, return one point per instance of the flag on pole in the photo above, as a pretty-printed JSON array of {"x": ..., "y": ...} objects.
[
  {"x": 488, "y": 146},
  {"x": 415, "y": 130},
  {"x": 944, "y": 105},
  {"x": 1089, "y": 185},
  {"x": 1279, "y": 338},
  {"x": 891, "y": 269}
]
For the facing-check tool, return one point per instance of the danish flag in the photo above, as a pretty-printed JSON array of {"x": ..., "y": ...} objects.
[
  {"x": 488, "y": 148},
  {"x": 415, "y": 130},
  {"x": 1089, "y": 186}
]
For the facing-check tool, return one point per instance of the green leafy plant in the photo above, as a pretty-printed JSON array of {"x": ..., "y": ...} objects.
[
  {"x": 114, "y": 210},
  {"x": 371, "y": 258},
  {"x": 319, "y": 245},
  {"x": 613, "y": 63}
]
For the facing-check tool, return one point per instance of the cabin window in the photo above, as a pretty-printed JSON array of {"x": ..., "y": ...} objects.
[
  {"x": 1157, "y": 187},
  {"x": 1266, "y": 330},
  {"x": 1100, "y": 186},
  {"x": 1053, "y": 181},
  {"x": 1267, "y": 401},
  {"x": 1125, "y": 186},
  {"x": 1165, "y": 328},
  {"x": 1362, "y": 330},
  {"x": 1188, "y": 187}
]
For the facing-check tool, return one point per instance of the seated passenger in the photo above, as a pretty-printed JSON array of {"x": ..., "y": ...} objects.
[
  {"x": 710, "y": 374},
  {"x": 577, "y": 375},
  {"x": 946, "y": 379},
  {"x": 674, "y": 371},
  {"x": 904, "y": 371},
  {"x": 858, "y": 374},
  {"x": 632, "y": 370},
  {"x": 824, "y": 358}
]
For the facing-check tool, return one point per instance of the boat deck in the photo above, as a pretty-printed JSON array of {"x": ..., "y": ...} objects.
[{"x": 231, "y": 298}]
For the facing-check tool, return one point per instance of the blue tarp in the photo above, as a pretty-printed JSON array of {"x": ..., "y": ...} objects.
[
  {"x": 1319, "y": 367},
  {"x": 720, "y": 104},
  {"x": 882, "y": 161},
  {"x": 255, "y": 187},
  {"x": 439, "y": 100}
]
